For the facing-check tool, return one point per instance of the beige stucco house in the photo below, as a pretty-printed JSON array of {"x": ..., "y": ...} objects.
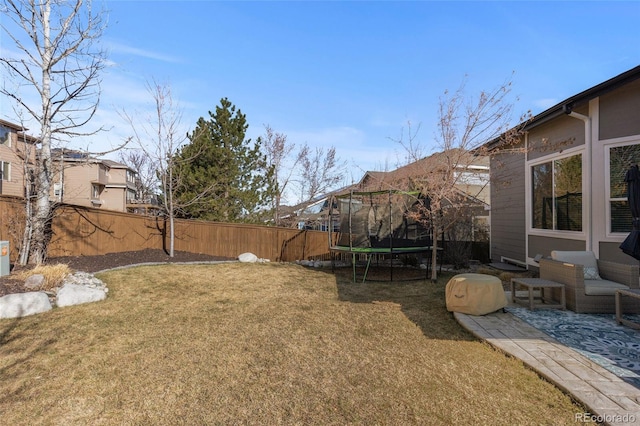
[
  {"x": 17, "y": 154},
  {"x": 85, "y": 181},
  {"x": 77, "y": 178}
]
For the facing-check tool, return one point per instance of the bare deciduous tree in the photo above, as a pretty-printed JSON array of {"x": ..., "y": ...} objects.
[
  {"x": 59, "y": 61},
  {"x": 465, "y": 125},
  {"x": 303, "y": 176},
  {"x": 160, "y": 138},
  {"x": 320, "y": 172},
  {"x": 278, "y": 151},
  {"x": 146, "y": 168}
]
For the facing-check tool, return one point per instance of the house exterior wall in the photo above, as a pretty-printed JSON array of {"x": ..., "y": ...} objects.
[
  {"x": 560, "y": 134},
  {"x": 14, "y": 184},
  {"x": 612, "y": 124},
  {"x": 617, "y": 125},
  {"x": 72, "y": 180},
  {"x": 113, "y": 198},
  {"x": 77, "y": 183},
  {"x": 507, "y": 207},
  {"x": 540, "y": 245},
  {"x": 619, "y": 112},
  {"x": 118, "y": 176},
  {"x": 80, "y": 178},
  {"x": 103, "y": 174},
  {"x": 564, "y": 137}
]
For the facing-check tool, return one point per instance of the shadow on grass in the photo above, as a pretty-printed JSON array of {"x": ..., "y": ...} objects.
[
  {"x": 422, "y": 301},
  {"x": 17, "y": 346}
]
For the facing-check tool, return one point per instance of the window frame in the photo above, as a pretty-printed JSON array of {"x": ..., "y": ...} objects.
[
  {"x": 5, "y": 132},
  {"x": 130, "y": 195},
  {"x": 609, "y": 199},
  {"x": 95, "y": 189},
  {"x": 531, "y": 230},
  {"x": 2, "y": 166}
]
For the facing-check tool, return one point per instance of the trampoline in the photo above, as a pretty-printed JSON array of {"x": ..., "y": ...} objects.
[{"x": 378, "y": 224}]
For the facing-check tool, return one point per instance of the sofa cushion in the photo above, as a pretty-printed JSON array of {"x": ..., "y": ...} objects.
[
  {"x": 585, "y": 258},
  {"x": 602, "y": 287}
]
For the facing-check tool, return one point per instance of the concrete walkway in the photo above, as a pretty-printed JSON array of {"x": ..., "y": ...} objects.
[{"x": 607, "y": 397}]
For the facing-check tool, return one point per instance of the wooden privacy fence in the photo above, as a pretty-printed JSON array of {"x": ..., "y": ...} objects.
[{"x": 86, "y": 231}]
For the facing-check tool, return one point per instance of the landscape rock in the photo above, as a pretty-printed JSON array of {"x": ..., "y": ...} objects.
[
  {"x": 324, "y": 263},
  {"x": 24, "y": 304},
  {"x": 34, "y": 282},
  {"x": 248, "y": 258},
  {"x": 76, "y": 294},
  {"x": 86, "y": 279}
]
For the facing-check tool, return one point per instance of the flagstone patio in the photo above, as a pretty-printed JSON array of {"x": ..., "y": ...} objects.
[{"x": 590, "y": 357}]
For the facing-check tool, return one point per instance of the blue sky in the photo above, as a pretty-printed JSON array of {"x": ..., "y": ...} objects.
[{"x": 351, "y": 74}]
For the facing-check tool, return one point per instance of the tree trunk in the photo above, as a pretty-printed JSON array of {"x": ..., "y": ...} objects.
[
  {"x": 25, "y": 247},
  {"x": 171, "y": 235},
  {"x": 434, "y": 250},
  {"x": 42, "y": 211}
]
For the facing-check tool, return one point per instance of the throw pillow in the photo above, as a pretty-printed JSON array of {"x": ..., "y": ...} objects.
[{"x": 591, "y": 273}]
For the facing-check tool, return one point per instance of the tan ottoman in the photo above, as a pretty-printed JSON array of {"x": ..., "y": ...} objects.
[{"x": 475, "y": 294}]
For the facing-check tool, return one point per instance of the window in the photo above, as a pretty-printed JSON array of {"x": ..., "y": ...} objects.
[
  {"x": 620, "y": 159},
  {"x": 557, "y": 194},
  {"x": 5, "y": 170},
  {"x": 131, "y": 176},
  {"x": 477, "y": 177},
  {"x": 5, "y": 135},
  {"x": 95, "y": 192}
]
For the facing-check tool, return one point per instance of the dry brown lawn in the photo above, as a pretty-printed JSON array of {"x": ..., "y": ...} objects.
[{"x": 262, "y": 344}]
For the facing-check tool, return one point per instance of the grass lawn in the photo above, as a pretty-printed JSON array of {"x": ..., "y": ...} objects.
[{"x": 262, "y": 344}]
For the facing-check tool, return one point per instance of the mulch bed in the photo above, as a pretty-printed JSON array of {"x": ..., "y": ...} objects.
[{"x": 9, "y": 284}]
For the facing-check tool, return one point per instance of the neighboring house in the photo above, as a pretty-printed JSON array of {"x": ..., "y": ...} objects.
[
  {"x": 312, "y": 215},
  {"x": 470, "y": 173},
  {"x": 92, "y": 182},
  {"x": 561, "y": 187},
  {"x": 85, "y": 181},
  {"x": 146, "y": 206},
  {"x": 472, "y": 188},
  {"x": 17, "y": 154}
]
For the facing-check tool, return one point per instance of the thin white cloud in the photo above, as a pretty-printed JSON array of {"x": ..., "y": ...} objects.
[
  {"x": 352, "y": 145},
  {"x": 546, "y": 103},
  {"x": 122, "y": 49}
]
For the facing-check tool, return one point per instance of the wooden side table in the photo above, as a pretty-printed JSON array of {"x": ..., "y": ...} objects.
[
  {"x": 632, "y": 292},
  {"x": 537, "y": 284}
]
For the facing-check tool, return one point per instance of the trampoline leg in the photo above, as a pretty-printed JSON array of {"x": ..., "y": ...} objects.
[
  {"x": 366, "y": 269},
  {"x": 353, "y": 263}
]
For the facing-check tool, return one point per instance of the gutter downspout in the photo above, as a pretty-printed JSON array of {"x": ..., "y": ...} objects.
[{"x": 588, "y": 142}]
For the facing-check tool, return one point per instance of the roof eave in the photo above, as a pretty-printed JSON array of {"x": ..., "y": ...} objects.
[{"x": 567, "y": 105}]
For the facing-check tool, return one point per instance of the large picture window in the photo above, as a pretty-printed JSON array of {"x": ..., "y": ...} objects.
[
  {"x": 557, "y": 194},
  {"x": 620, "y": 159}
]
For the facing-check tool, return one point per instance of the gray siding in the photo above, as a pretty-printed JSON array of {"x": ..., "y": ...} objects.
[
  {"x": 611, "y": 252},
  {"x": 562, "y": 133},
  {"x": 544, "y": 245},
  {"x": 620, "y": 112},
  {"x": 507, "y": 207}
]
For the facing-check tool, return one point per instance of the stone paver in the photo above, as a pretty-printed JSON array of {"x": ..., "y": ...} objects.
[{"x": 610, "y": 399}]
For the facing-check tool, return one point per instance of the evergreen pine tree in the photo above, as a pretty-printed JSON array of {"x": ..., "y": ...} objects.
[{"x": 218, "y": 154}]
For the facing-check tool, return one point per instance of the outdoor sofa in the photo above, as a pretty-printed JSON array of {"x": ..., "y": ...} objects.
[{"x": 590, "y": 283}]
